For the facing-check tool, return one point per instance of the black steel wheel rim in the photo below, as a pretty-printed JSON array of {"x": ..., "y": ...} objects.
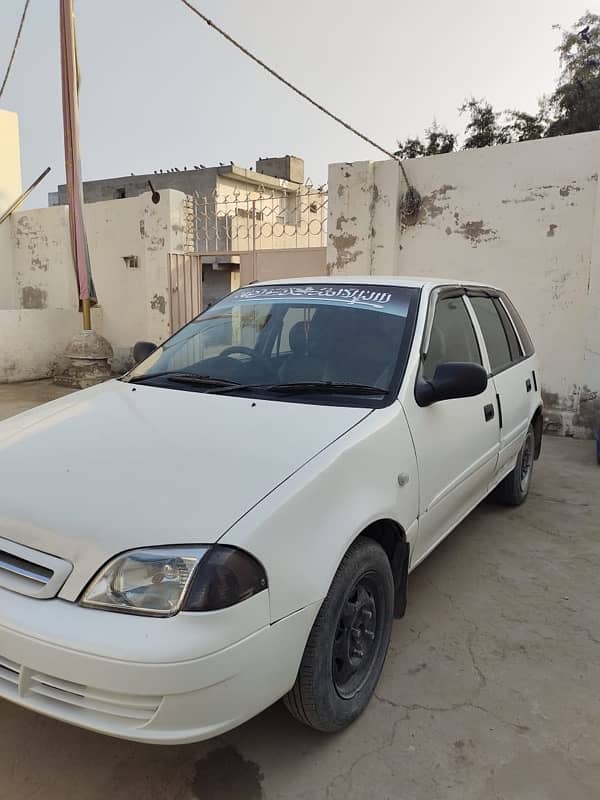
[
  {"x": 526, "y": 463},
  {"x": 358, "y": 635}
]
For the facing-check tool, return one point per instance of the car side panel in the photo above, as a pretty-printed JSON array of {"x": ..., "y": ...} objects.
[
  {"x": 518, "y": 405},
  {"x": 301, "y": 531}
]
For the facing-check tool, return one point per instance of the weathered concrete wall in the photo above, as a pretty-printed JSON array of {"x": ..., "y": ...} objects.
[
  {"x": 10, "y": 189},
  {"x": 33, "y": 341},
  {"x": 523, "y": 217},
  {"x": 128, "y": 240}
]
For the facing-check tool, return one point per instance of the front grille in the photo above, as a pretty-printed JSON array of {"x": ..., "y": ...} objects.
[
  {"x": 74, "y": 701},
  {"x": 31, "y": 572},
  {"x": 9, "y": 676},
  {"x": 24, "y": 569}
]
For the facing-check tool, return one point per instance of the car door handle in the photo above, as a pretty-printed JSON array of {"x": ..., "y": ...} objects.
[
  {"x": 488, "y": 412},
  {"x": 528, "y": 384}
]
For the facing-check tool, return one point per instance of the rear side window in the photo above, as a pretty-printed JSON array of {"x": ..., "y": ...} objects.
[
  {"x": 452, "y": 336},
  {"x": 520, "y": 326},
  {"x": 513, "y": 342},
  {"x": 494, "y": 335}
]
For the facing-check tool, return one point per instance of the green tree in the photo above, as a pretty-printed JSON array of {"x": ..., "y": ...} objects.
[
  {"x": 519, "y": 126},
  {"x": 483, "y": 128},
  {"x": 575, "y": 103},
  {"x": 437, "y": 140},
  {"x": 410, "y": 148}
]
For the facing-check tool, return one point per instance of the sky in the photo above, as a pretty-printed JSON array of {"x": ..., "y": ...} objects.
[{"x": 160, "y": 89}]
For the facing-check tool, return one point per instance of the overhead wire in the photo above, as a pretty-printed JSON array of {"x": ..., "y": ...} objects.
[
  {"x": 14, "y": 50},
  {"x": 295, "y": 89}
]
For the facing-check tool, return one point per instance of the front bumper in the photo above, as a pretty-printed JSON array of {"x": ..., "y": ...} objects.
[{"x": 148, "y": 697}]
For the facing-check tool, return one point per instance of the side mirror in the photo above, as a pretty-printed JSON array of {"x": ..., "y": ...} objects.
[
  {"x": 141, "y": 351},
  {"x": 451, "y": 381}
]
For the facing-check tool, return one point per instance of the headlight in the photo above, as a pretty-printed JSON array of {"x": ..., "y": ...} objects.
[{"x": 162, "y": 581}]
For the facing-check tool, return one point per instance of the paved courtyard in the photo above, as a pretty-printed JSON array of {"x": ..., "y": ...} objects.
[{"x": 490, "y": 690}]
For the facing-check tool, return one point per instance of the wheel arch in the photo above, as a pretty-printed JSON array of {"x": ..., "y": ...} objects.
[
  {"x": 537, "y": 422},
  {"x": 392, "y": 538}
]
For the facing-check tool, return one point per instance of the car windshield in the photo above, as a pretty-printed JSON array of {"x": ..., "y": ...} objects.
[{"x": 325, "y": 339}]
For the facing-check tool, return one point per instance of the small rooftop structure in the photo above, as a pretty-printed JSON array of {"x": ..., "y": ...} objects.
[{"x": 285, "y": 172}]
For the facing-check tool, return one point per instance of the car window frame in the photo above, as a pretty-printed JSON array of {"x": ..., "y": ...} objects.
[
  {"x": 443, "y": 293},
  {"x": 511, "y": 360},
  {"x": 497, "y": 296}
]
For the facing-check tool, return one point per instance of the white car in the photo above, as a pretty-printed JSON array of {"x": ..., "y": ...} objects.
[{"x": 234, "y": 520}]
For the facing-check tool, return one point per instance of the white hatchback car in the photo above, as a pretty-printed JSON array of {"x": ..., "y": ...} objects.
[{"x": 234, "y": 520}]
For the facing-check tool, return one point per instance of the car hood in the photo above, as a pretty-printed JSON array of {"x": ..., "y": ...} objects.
[{"x": 117, "y": 467}]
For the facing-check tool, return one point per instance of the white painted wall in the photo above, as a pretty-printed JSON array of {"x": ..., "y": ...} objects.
[
  {"x": 33, "y": 341},
  {"x": 10, "y": 189},
  {"x": 523, "y": 217},
  {"x": 133, "y": 301}
]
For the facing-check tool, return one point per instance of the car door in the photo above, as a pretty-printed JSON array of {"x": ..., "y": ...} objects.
[
  {"x": 510, "y": 372},
  {"x": 456, "y": 441}
]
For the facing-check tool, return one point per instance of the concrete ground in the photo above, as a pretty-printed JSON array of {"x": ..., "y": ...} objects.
[{"x": 490, "y": 690}]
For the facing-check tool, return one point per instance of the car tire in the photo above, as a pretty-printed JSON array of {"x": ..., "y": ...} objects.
[
  {"x": 348, "y": 642},
  {"x": 513, "y": 490}
]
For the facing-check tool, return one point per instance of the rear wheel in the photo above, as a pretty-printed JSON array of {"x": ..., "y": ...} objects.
[
  {"x": 348, "y": 643},
  {"x": 513, "y": 490}
]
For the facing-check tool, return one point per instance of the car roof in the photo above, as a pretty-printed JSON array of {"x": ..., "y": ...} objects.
[{"x": 375, "y": 280}]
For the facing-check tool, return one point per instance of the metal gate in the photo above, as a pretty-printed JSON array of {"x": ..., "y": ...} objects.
[
  {"x": 185, "y": 288},
  {"x": 255, "y": 235}
]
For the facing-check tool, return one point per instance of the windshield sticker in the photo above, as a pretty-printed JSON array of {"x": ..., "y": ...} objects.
[{"x": 375, "y": 298}]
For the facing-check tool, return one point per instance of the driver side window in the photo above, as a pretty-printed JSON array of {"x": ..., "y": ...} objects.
[{"x": 452, "y": 336}]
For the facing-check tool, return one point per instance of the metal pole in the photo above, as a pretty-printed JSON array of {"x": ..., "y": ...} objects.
[
  {"x": 254, "y": 240},
  {"x": 70, "y": 102}
]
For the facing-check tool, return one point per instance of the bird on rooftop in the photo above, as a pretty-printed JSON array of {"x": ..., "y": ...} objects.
[
  {"x": 161, "y": 172},
  {"x": 196, "y": 166},
  {"x": 221, "y": 164},
  {"x": 231, "y": 162},
  {"x": 155, "y": 172}
]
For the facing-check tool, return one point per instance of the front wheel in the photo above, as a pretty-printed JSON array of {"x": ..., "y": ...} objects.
[
  {"x": 513, "y": 490},
  {"x": 348, "y": 643}
]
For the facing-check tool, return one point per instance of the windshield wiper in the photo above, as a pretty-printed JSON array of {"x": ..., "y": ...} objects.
[
  {"x": 186, "y": 377},
  {"x": 306, "y": 387}
]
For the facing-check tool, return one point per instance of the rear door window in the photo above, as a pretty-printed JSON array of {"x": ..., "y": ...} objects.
[
  {"x": 494, "y": 334},
  {"x": 513, "y": 342},
  {"x": 520, "y": 326}
]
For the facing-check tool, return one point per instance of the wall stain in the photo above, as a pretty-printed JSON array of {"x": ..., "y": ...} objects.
[
  {"x": 342, "y": 220},
  {"x": 38, "y": 263},
  {"x": 566, "y": 190},
  {"x": 342, "y": 243},
  {"x": 158, "y": 303},
  {"x": 429, "y": 206},
  {"x": 156, "y": 243},
  {"x": 551, "y": 229},
  {"x": 588, "y": 415},
  {"x": 475, "y": 232},
  {"x": 227, "y": 775},
  {"x": 33, "y": 297}
]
